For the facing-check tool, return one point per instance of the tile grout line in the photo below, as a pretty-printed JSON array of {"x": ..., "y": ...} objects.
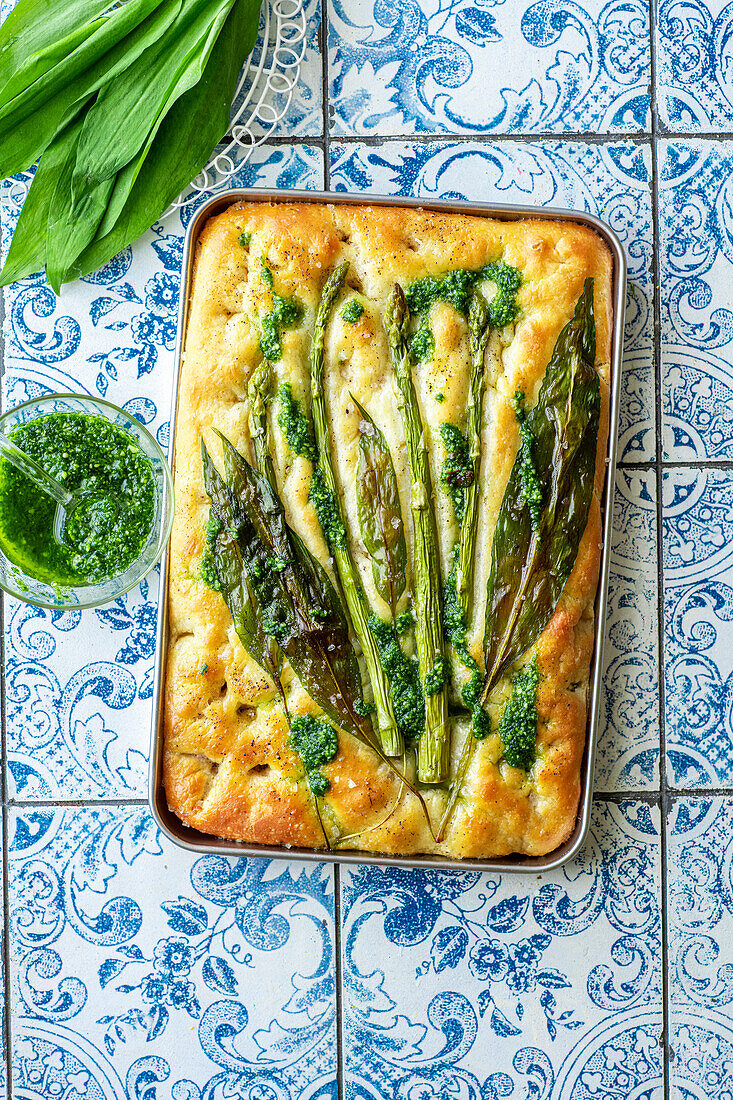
[
  {"x": 7, "y": 1024},
  {"x": 659, "y": 459},
  {"x": 640, "y": 137},
  {"x": 324, "y": 93},
  {"x": 340, "y": 1077}
]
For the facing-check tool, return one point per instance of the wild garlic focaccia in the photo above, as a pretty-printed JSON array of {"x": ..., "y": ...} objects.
[{"x": 301, "y": 353}]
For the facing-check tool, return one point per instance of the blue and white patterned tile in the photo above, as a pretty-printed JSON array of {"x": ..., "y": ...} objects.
[
  {"x": 79, "y": 684},
  {"x": 558, "y": 976},
  {"x": 138, "y": 970},
  {"x": 488, "y": 66},
  {"x": 700, "y": 927},
  {"x": 698, "y": 633},
  {"x": 693, "y": 61},
  {"x": 291, "y": 107},
  {"x": 627, "y": 757},
  {"x": 696, "y": 268},
  {"x": 610, "y": 181}
]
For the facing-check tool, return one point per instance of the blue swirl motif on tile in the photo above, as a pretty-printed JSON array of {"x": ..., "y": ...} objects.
[
  {"x": 628, "y": 748},
  {"x": 235, "y": 920},
  {"x": 435, "y": 67},
  {"x": 701, "y": 919},
  {"x": 493, "y": 949},
  {"x": 58, "y": 723},
  {"x": 696, "y": 210},
  {"x": 698, "y": 529},
  {"x": 695, "y": 65}
]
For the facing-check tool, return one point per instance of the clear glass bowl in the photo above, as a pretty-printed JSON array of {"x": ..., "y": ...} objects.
[{"x": 41, "y": 594}]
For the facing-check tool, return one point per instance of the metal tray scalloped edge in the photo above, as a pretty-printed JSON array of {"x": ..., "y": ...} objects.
[{"x": 195, "y": 841}]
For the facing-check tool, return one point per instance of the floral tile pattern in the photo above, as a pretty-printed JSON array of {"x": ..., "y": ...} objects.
[
  {"x": 467, "y": 66},
  {"x": 611, "y": 181},
  {"x": 441, "y": 967},
  {"x": 700, "y": 904},
  {"x": 698, "y": 637},
  {"x": 694, "y": 78},
  {"x": 697, "y": 320},
  {"x": 304, "y": 115},
  {"x": 627, "y": 757},
  {"x": 80, "y": 729},
  {"x": 138, "y": 970}
]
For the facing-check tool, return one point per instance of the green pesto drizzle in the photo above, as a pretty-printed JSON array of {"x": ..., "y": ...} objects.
[
  {"x": 404, "y": 621},
  {"x": 295, "y": 424},
  {"x": 266, "y": 273},
  {"x": 352, "y": 311},
  {"x": 208, "y": 570},
  {"x": 438, "y": 676},
  {"x": 279, "y": 629},
  {"x": 245, "y": 239},
  {"x": 457, "y": 470},
  {"x": 285, "y": 313},
  {"x": 456, "y": 288},
  {"x": 404, "y": 679},
  {"x": 316, "y": 743},
  {"x": 326, "y": 509},
  {"x": 454, "y": 625},
  {"x": 531, "y": 487},
  {"x": 273, "y": 565},
  {"x": 518, "y": 726},
  {"x": 422, "y": 343}
]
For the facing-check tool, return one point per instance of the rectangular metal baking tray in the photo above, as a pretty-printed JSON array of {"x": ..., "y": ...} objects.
[{"x": 195, "y": 841}]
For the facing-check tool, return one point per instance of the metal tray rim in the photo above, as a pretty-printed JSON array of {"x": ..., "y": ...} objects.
[{"x": 201, "y": 843}]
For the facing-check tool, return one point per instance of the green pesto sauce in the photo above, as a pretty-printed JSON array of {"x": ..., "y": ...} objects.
[
  {"x": 208, "y": 569},
  {"x": 363, "y": 709},
  {"x": 316, "y": 743},
  {"x": 279, "y": 628},
  {"x": 273, "y": 565},
  {"x": 440, "y": 398},
  {"x": 456, "y": 288},
  {"x": 531, "y": 486},
  {"x": 245, "y": 239},
  {"x": 438, "y": 676},
  {"x": 266, "y": 273},
  {"x": 518, "y": 726},
  {"x": 295, "y": 424},
  {"x": 457, "y": 470},
  {"x": 285, "y": 313},
  {"x": 423, "y": 341},
  {"x": 454, "y": 625},
  {"x": 327, "y": 511},
  {"x": 404, "y": 621},
  {"x": 108, "y": 531},
  {"x": 404, "y": 678},
  {"x": 352, "y": 311}
]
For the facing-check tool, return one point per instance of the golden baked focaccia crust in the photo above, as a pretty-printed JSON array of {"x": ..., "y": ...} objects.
[{"x": 229, "y": 770}]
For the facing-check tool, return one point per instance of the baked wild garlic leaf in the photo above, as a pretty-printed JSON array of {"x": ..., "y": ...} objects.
[
  {"x": 298, "y": 608},
  {"x": 326, "y": 499},
  {"x": 379, "y": 512},
  {"x": 383, "y": 534},
  {"x": 298, "y": 612},
  {"x": 532, "y": 556}
]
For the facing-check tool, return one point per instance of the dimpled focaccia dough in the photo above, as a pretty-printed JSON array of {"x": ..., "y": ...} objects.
[{"x": 228, "y": 768}]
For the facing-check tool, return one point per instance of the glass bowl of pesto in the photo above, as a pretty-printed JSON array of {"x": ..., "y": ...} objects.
[{"x": 118, "y": 530}]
